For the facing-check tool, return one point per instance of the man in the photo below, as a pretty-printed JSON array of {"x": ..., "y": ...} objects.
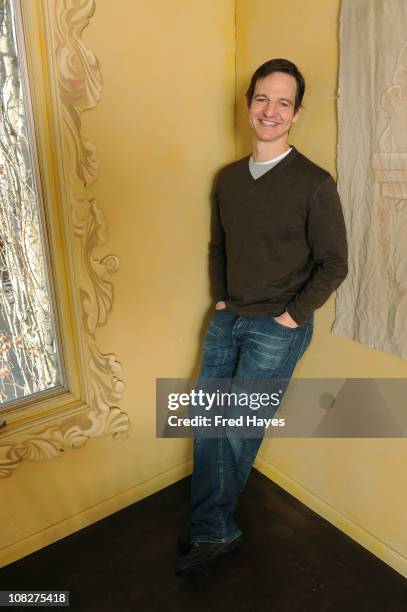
[{"x": 278, "y": 250}]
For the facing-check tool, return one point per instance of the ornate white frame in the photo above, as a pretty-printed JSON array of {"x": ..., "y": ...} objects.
[{"x": 87, "y": 406}]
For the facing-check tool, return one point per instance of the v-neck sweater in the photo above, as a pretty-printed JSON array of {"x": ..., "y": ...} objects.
[{"x": 278, "y": 242}]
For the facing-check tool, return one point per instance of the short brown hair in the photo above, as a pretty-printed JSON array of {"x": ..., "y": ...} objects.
[{"x": 278, "y": 65}]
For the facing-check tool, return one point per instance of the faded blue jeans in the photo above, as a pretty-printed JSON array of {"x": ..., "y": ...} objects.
[{"x": 237, "y": 348}]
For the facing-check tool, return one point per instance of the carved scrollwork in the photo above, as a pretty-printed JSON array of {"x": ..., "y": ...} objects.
[
  {"x": 79, "y": 89},
  {"x": 389, "y": 164},
  {"x": 97, "y": 297},
  {"x": 80, "y": 80}
]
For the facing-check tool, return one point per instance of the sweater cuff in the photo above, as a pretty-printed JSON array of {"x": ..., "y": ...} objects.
[{"x": 219, "y": 296}]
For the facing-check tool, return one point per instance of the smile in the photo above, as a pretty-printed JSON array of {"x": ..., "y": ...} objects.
[{"x": 268, "y": 123}]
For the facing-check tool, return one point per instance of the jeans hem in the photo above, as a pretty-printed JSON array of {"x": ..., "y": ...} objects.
[{"x": 216, "y": 540}]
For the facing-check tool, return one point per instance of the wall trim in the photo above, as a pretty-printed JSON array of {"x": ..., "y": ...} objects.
[
  {"x": 366, "y": 539},
  {"x": 92, "y": 515}
]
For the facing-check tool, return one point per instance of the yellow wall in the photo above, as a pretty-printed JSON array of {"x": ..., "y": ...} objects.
[
  {"x": 357, "y": 484},
  {"x": 165, "y": 124}
]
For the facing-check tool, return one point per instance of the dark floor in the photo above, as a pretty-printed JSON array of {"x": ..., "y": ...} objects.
[{"x": 291, "y": 560}]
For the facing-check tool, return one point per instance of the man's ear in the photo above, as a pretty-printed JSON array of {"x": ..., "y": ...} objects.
[{"x": 297, "y": 115}]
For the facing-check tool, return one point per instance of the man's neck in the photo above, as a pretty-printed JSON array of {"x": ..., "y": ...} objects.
[{"x": 266, "y": 151}]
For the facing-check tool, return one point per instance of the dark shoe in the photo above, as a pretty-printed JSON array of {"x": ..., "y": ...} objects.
[{"x": 201, "y": 554}]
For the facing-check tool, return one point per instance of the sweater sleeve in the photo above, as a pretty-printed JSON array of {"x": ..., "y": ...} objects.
[
  {"x": 217, "y": 253},
  {"x": 326, "y": 235}
]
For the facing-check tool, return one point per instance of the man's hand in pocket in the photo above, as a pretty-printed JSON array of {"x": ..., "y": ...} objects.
[{"x": 286, "y": 319}]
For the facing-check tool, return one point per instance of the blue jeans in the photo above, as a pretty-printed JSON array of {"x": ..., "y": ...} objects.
[{"x": 237, "y": 348}]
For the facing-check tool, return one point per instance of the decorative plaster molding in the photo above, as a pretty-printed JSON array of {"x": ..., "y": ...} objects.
[
  {"x": 389, "y": 164},
  {"x": 78, "y": 89}
]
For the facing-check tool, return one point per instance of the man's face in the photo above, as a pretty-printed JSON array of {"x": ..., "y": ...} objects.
[{"x": 271, "y": 112}]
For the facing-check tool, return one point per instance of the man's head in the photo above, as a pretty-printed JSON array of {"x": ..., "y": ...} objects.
[
  {"x": 278, "y": 65},
  {"x": 274, "y": 100}
]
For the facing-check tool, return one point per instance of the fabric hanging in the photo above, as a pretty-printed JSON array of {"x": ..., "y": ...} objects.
[{"x": 371, "y": 305}]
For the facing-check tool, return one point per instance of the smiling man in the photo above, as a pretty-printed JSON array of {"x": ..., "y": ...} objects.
[{"x": 277, "y": 252}]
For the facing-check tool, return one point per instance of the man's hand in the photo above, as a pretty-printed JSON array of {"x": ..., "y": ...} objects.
[
  {"x": 220, "y": 305},
  {"x": 286, "y": 319}
]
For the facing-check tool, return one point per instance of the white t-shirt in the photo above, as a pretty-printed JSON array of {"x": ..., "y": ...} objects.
[{"x": 257, "y": 169}]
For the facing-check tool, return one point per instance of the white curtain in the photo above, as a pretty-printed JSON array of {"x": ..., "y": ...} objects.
[{"x": 371, "y": 304}]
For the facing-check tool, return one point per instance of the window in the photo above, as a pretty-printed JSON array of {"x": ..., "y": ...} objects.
[
  {"x": 58, "y": 388},
  {"x": 29, "y": 347}
]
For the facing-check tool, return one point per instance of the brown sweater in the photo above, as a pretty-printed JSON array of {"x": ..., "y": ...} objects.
[{"x": 278, "y": 242}]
